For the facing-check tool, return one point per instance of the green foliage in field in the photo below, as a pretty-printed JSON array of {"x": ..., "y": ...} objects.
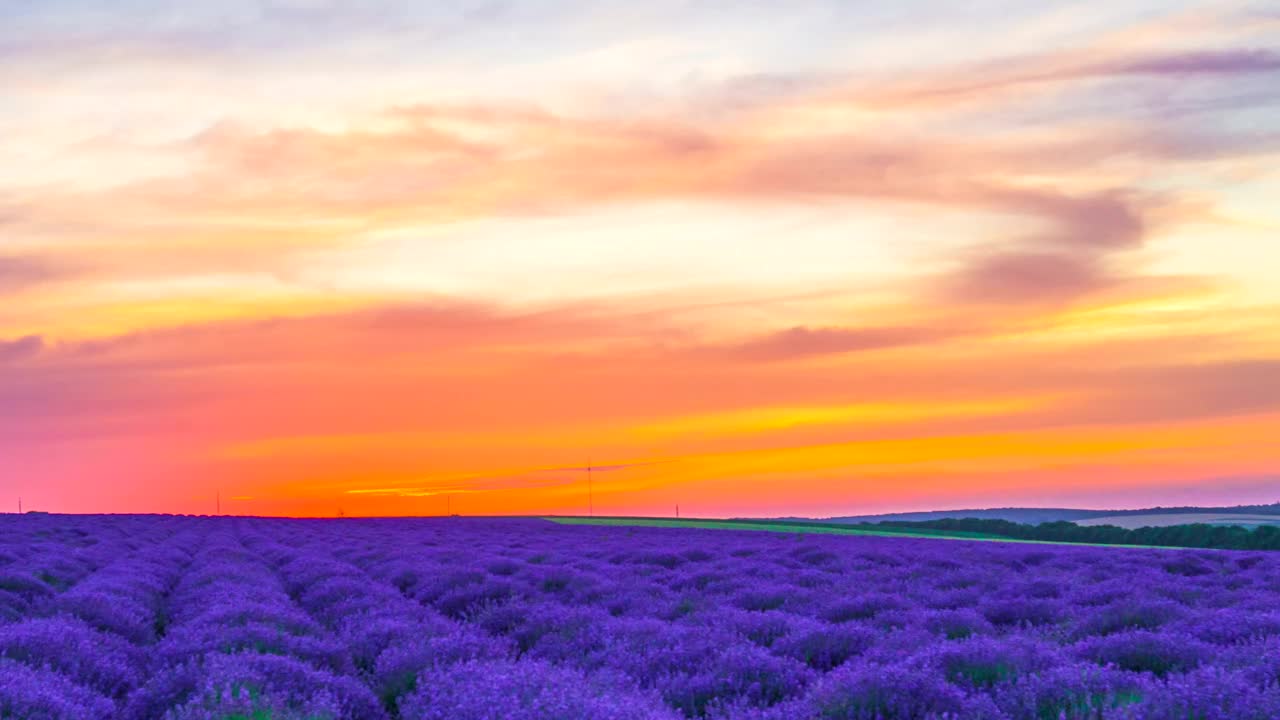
[{"x": 1223, "y": 537}]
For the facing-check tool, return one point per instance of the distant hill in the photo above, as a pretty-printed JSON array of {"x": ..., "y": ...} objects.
[{"x": 1035, "y": 516}]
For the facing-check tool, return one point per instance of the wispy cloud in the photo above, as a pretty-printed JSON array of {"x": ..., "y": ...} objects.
[
  {"x": 410, "y": 492},
  {"x": 605, "y": 468},
  {"x": 1048, "y": 69}
]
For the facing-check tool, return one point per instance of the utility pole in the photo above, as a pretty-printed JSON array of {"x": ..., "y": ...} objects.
[
  {"x": 591, "y": 502},
  {"x": 677, "y": 511},
  {"x": 19, "y": 504}
]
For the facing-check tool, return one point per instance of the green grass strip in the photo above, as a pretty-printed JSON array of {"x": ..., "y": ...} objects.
[{"x": 817, "y": 528}]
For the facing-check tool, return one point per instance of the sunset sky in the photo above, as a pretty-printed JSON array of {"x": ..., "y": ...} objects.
[{"x": 751, "y": 258}]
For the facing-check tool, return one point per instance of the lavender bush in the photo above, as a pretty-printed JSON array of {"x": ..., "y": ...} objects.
[{"x": 185, "y": 618}]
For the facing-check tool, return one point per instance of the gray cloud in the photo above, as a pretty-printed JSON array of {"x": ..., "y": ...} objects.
[
  {"x": 20, "y": 349},
  {"x": 802, "y": 341},
  {"x": 19, "y": 272},
  {"x": 1212, "y": 62},
  {"x": 1011, "y": 277}
]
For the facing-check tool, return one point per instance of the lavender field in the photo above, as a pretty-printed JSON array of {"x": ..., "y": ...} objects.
[{"x": 167, "y": 617}]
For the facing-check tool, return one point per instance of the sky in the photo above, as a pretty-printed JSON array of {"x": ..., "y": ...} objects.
[{"x": 302, "y": 257}]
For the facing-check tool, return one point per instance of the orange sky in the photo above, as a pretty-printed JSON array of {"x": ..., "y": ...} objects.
[{"x": 817, "y": 260}]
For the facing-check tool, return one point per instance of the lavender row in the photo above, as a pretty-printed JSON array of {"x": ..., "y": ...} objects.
[
  {"x": 238, "y": 646},
  {"x": 44, "y": 556},
  {"x": 84, "y": 650}
]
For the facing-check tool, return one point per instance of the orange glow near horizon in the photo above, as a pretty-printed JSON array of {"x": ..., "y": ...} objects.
[{"x": 832, "y": 265}]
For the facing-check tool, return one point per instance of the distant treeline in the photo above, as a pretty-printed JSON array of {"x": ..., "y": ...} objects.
[
  {"x": 1267, "y": 509},
  {"x": 1199, "y": 535}
]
